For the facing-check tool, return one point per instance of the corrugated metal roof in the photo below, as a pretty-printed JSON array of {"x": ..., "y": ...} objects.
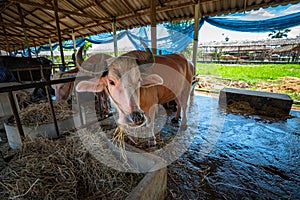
[{"x": 90, "y": 17}]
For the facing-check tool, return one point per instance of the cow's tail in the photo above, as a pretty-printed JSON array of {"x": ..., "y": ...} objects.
[{"x": 192, "y": 73}]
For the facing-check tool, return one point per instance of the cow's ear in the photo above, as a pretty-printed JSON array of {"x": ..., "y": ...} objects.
[
  {"x": 92, "y": 85},
  {"x": 151, "y": 80}
]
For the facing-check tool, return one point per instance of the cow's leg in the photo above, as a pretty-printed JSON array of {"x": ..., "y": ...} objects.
[
  {"x": 184, "y": 102},
  {"x": 175, "y": 120},
  {"x": 184, "y": 118},
  {"x": 151, "y": 135}
]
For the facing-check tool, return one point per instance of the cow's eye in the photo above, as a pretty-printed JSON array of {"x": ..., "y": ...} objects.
[{"x": 111, "y": 82}]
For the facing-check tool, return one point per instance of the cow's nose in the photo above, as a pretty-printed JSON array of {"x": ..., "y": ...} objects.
[{"x": 138, "y": 117}]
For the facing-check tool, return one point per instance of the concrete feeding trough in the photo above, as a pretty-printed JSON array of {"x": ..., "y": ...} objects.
[
  {"x": 5, "y": 109},
  {"x": 154, "y": 183},
  {"x": 152, "y": 186},
  {"x": 44, "y": 130},
  {"x": 256, "y": 102}
]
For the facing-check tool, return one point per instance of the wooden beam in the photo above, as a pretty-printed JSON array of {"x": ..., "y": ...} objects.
[
  {"x": 128, "y": 6},
  {"x": 245, "y": 5},
  {"x": 5, "y": 34},
  {"x": 55, "y": 5},
  {"x": 38, "y": 26},
  {"x": 50, "y": 16},
  {"x": 6, "y": 5},
  {"x": 24, "y": 28},
  {"x": 51, "y": 50},
  {"x": 36, "y": 53},
  {"x": 139, "y": 13},
  {"x": 103, "y": 10},
  {"x": 74, "y": 48},
  {"x": 196, "y": 32},
  {"x": 153, "y": 26},
  {"x": 82, "y": 11},
  {"x": 40, "y": 19},
  {"x": 6, "y": 24},
  {"x": 144, "y": 12},
  {"x": 114, "y": 27},
  {"x": 20, "y": 36},
  {"x": 13, "y": 20},
  {"x": 68, "y": 12}
]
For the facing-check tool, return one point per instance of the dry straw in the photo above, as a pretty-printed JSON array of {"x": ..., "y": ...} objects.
[
  {"x": 62, "y": 169},
  {"x": 39, "y": 113}
]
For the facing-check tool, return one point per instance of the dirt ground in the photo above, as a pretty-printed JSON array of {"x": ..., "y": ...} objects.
[{"x": 281, "y": 85}]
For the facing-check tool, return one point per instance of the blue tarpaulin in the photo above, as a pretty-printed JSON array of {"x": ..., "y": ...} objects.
[
  {"x": 257, "y": 26},
  {"x": 172, "y": 39}
]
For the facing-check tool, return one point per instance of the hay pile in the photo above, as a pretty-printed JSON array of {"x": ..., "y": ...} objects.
[
  {"x": 218, "y": 83},
  {"x": 62, "y": 169},
  {"x": 244, "y": 108},
  {"x": 281, "y": 85},
  {"x": 241, "y": 107},
  {"x": 39, "y": 113}
]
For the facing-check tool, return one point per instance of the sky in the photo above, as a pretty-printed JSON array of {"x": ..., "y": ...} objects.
[{"x": 209, "y": 33}]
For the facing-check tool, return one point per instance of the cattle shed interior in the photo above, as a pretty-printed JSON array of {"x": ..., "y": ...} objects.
[
  {"x": 36, "y": 22},
  {"x": 32, "y": 82}
]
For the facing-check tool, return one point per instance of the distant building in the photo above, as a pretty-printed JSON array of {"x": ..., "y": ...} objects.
[{"x": 262, "y": 50}]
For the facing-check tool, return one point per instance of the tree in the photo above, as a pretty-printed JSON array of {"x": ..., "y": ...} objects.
[
  {"x": 279, "y": 33},
  {"x": 87, "y": 45},
  {"x": 176, "y": 26}
]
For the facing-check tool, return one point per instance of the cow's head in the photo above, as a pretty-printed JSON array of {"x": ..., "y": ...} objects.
[
  {"x": 63, "y": 90},
  {"x": 122, "y": 78}
]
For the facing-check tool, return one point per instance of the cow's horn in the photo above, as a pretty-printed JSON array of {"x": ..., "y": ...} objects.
[
  {"x": 96, "y": 65},
  {"x": 142, "y": 57},
  {"x": 79, "y": 58},
  {"x": 94, "y": 69},
  {"x": 149, "y": 58}
]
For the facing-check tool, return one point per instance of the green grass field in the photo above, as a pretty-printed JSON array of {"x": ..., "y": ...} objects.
[{"x": 252, "y": 73}]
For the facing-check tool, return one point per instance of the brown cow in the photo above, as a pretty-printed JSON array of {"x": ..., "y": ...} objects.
[
  {"x": 63, "y": 90},
  {"x": 136, "y": 84}
]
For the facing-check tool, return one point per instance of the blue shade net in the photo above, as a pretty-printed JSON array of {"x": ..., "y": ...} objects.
[
  {"x": 172, "y": 38},
  {"x": 267, "y": 25}
]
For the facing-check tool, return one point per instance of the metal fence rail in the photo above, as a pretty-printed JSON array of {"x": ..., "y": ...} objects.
[{"x": 12, "y": 88}]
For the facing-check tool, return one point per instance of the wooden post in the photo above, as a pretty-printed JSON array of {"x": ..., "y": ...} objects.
[
  {"x": 55, "y": 5},
  {"x": 24, "y": 28},
  {"x": 114, "y": 27},
  {"x": 74, "y": 47},
  {"x": 297, "y": 55},
  {"x": 36, "y": 53},
  {"x": 5, "y": 35},
  {"x": 23, "y": 49},
  {"x": 196, "y": 33},
  {"x": 51, "y": 50},
  {"x": 52, "y": 110},
  {"x": 74, "y": 41},
  {"x": 153, "y": 26},
  {"x": 239, "y": 55},
  {"x": 15, "y": 112}
]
